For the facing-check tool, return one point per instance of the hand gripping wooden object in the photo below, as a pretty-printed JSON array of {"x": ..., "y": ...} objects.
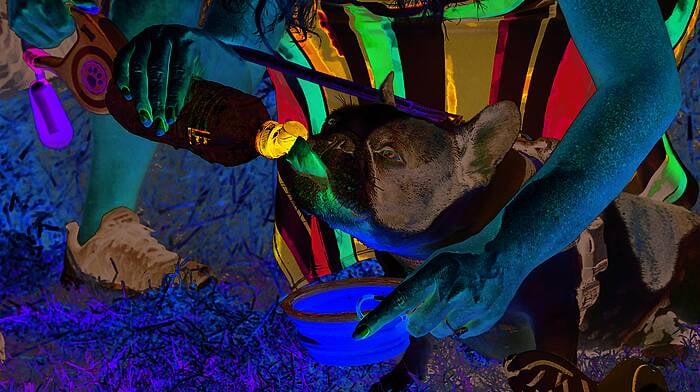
[{"x": 87, "y": 67}]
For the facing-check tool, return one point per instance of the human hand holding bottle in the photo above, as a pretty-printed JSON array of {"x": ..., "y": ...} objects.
[{"x": 155, "y": 69}]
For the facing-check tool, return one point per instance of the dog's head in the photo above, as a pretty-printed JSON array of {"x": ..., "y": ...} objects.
[{"x": 392, "y": 176}]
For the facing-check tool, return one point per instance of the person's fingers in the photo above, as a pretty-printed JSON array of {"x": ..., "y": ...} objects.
[
  {"x": 438, "y": 304},
  {"x": 158, "y": 70},
  {"x": 424, "y": 319},
  {"x": 138, "y": 81},
  {"x": 409, "y": 294},
  {"x": 481, "y": 305},
  {"x": 464, "y": 320},
  {"x": 448, "y": 326},
  {"x": 454, "y": 320},
  {"x": 476, "y": 326},
  {"x": 121, "y": 70},
  {"x": 182, "y": 59},
  {"x": 90, "y": 7}
]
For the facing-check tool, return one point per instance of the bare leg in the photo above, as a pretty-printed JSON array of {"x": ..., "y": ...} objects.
[{"x": 119, "y": 163}]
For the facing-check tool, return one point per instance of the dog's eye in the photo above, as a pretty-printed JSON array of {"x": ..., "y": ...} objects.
[{"x": 390, "y": 154}]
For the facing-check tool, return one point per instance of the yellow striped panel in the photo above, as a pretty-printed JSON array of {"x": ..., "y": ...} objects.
[
  {"x": 354, "y": 21},
  {"x": 325, "y": 58},
  {"x": 288, "y": 195},
  {"x": 362, "y": 252},
  {"x": 535, "y": 54},
  {"x": 287, "y": 262},
  {"x": 470, "y": 48},
  {"x": 284, "y": 256}
]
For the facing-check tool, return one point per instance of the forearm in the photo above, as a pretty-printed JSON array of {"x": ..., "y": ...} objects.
[
  {"x": 586, "y": 172},
  {"x": 240, "y": 28},
  {"x": 626, "y": 48},
  {"x": 470, "y": 284}
]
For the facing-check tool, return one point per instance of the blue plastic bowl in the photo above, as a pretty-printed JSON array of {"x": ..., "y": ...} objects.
[{"x": 326, "y": 314}]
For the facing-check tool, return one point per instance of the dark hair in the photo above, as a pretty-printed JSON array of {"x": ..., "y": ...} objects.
[
  {"x": 297, "y": 15},
  {"x": 300, "y": 15}
]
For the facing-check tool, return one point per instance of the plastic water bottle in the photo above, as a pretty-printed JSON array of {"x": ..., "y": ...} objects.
[
  {"x": 227, "y": 126},
  {"x": 52, "y": 124},
  {"x": 218, "y": 123}
]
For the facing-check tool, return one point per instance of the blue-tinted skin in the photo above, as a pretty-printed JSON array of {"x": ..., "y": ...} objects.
[
  {"x": 119, "y": 158},
  {"x": 626, "y": 48}
]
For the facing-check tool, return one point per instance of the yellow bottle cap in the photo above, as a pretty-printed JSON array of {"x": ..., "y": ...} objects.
[{"x": 274, "y": 140}]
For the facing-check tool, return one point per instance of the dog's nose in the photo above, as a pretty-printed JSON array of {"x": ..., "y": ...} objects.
[
  {"x": 336, "y": 141},
  {"x": 344, "y": 144}
]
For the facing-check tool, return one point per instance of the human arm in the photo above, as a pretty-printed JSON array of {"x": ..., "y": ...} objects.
[
  {"x": 156, "y": 67},
  {"x": 43, "y": 23},
  {"x": 470, "y": 284}
]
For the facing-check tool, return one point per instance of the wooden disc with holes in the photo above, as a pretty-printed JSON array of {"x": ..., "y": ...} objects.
[
  {"x": 92, "y": 68},
  {"x": 87, "y": 67}
]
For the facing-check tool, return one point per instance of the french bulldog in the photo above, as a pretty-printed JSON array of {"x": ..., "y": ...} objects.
[{"x": 407, "y": 187}]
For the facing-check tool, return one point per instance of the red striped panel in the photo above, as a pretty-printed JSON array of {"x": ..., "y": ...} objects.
[
  {"x": 572, "y": 88},
  {"x": 288, "y": 107},
  {"x": 321, "y": 262},
  {"x": 519, "y": 44},
  {"x": 554, "y": 43},
  {"x": 503, "y": 28},
  {"x": 422, "y": 52},
  {"x": 293, "y": 232}
]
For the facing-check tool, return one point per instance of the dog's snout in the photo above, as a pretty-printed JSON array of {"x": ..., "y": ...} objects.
[
  {"x": 313, "y": 142},
  {"x": 344, "y": 144},
  {"x": 336, "y": 141}
]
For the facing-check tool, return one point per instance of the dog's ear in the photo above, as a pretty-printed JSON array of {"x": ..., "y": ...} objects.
[
  {"x": 483, "y": 141},
  {"x": 387, "y": 90}
]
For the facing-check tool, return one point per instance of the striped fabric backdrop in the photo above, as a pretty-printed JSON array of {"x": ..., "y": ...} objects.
[{"x": 506, "y": 50}]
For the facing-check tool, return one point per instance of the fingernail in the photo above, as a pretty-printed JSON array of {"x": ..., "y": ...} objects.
[
  {"x": 170, "y": 115},
  {"x": 160, "y": 126},
  {"x": 126, "y": 93},
  {"x": 89, "y": 8},
  {"x": 145, "y": 118},
  {"x": 361, "y": 332}
]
